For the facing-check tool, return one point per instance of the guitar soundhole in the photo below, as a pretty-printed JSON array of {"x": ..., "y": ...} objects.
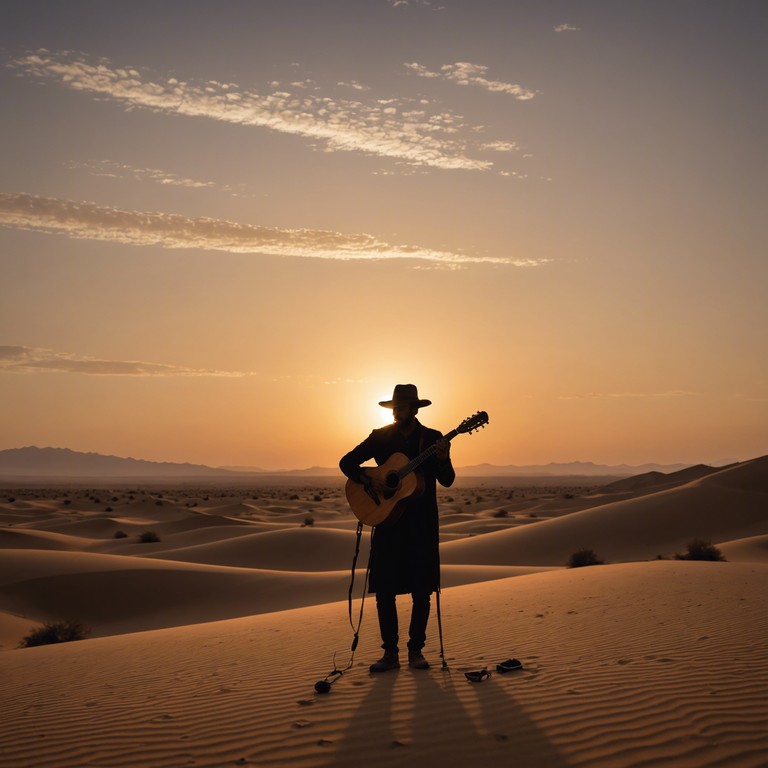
[{"x": 392, "y": 481}]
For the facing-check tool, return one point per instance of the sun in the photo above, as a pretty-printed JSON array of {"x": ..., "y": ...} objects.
[{"x": 383, "y": 415}]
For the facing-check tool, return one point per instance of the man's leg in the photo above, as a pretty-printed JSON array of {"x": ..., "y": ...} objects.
[
  {"x": 387, "y": 610},
  {"x": 417, "y": 632},
  {"x": 386, "y": 607}
]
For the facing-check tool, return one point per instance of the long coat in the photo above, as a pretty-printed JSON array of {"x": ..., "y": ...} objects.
[{"x": 405, "y": 555}]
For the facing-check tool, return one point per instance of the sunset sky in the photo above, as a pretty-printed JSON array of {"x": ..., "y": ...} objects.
[{"x": 228, "y": 229}]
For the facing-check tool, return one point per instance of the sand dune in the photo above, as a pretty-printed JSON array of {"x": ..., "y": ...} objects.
[
  {"x": 114, "y": 594},
  {"x": 658, "y": 480},
  {"x": 729, "y": 504},
  {"x": 292, "y": 549},
  {"x": 628, "y": 665},
  {"x": 23, "y": 538},
  {"x": 182, "y": 538},
  {"x": 206, "y": 644},
  {"x": 753, "y": 549}
]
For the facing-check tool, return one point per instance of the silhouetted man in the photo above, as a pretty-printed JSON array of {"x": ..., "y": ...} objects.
[{"x": 404, "y": 554}]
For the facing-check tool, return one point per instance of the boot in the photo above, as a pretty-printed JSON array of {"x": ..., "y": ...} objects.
[
  {"x": 416, "y": 660},
  {"x": 390, "y": 660}
]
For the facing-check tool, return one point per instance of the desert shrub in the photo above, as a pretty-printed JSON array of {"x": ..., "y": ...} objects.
[
  {"x": 500, "y": 513},
  {"x": 309, "y": 520},
  {"x": 583, "y": 557},
  {"x": 109, "y": 509},
  {"x": 294, "y": 497},
  {"x": 317, "y": 497},
  {"x": 120, "y": 535},
  {"x": 148, "y": 537},
  {"x": 699, "y": 549},
  {"x": 449, "y": 499},
  {"x": 55, "y": 632}
]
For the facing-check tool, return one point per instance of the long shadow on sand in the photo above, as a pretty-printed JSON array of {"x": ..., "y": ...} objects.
[{"x": 435, "y": 718}]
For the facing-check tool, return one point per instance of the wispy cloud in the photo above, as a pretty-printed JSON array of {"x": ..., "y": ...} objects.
[
  {"x": 566, "y": 28},
  {"x": 464, "y": 73},
  {"x": 394, "y": 130},
  {"x": 354, "y": 85},
  {"x": 408, "y": 3},
  {"x": 501, "y": 146},
  {"x": 630, "y": 395},
  {"x": 110, "y": 169},
  {"x": 93, "y": 222},
  {"x": 18, "y": 359}
]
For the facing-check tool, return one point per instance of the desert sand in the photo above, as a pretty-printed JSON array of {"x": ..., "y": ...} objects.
[{"x": 205, "y": 644}]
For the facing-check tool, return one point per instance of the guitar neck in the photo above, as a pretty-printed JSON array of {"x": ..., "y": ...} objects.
[{"x": 423, "y": 456}]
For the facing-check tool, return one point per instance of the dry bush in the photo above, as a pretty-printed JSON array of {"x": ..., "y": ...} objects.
[
  {"x": 583, "y": 557},
  {"x": 700, "y": 549},
  {"x": 55, "y": 632}
]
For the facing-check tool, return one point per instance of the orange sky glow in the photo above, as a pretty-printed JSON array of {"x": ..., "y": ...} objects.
[{"x": 223, "y": 241}]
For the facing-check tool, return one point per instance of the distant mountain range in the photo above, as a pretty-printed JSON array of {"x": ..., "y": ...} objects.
[{"x": 64, "y": 463}]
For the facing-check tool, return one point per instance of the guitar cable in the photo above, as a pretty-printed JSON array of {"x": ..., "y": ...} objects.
[{"x": 324, "y": 686}]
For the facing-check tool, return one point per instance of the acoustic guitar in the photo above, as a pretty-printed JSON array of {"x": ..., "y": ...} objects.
[{"x": 400, "y": 480}]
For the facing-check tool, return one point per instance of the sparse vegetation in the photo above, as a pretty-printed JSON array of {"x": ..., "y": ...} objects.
[
  {"x": 309, "y": 520},
  {"x": 148, "y": 537},
  {"x": 500, "y": 513},
  {"x": 700, "y": 549},
  {"x": 583, "y": 557},
  {"x": 317, "y": 497},
  {"x": 120, "y": 535},
  {"x": 55, "y": 632}
]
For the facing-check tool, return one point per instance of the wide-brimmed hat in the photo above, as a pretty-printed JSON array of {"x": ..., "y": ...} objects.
[{"x": 405, "y": 393}]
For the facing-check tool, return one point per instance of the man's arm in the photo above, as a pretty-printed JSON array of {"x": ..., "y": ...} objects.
[
  {"x": 350, "y": 462},
  {"x": 350, "y": 466}
]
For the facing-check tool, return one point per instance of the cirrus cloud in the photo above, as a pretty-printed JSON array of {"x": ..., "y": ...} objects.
[
  {"x": 111, "y": 169},
  {"x": 18, "y": 359},
  {"x": 465, "y": 73},
  {"x": 345, "y": 125},
  {"x": 93, "y": 222}
]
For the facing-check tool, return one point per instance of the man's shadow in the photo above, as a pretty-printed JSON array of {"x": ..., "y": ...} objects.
[{"x": 442, "y": 717}]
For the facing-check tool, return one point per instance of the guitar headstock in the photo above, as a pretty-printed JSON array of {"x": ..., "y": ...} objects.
[{"x": 480, "y": 419}]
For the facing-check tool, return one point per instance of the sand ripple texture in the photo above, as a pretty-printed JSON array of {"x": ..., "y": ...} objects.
[{"x": 639, "y": 664}]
